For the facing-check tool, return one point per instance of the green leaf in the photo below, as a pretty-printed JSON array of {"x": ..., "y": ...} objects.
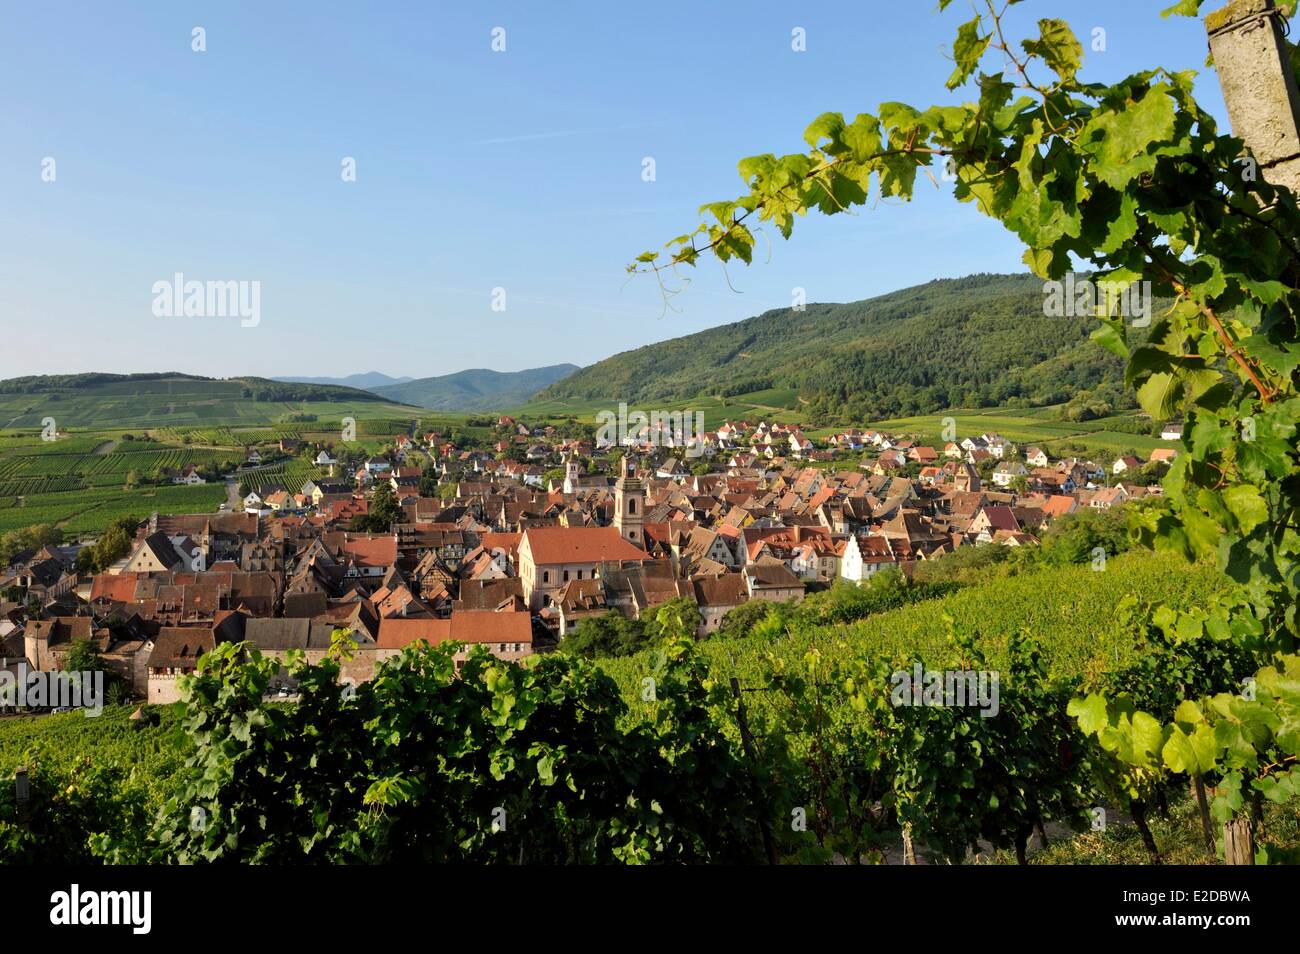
[
  {"x": 967, "y": 51},
  {"x": 1058, "y": 47},
  {"x": 826, "y": 126},
  {"x": 1159, "y": 395},
  {"x": 1090, "y": 712},
  {"x": 1111, "y": 336},
  {"x": 1122, "y": 137},
  {"x": 1247, "y": 505},
  {"x": 1191, "y": 753}
]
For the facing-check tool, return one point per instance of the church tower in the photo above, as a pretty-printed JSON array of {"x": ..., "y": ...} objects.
[
  {"x": 571, "y": 473},
  {"x": 629, "y": 503}
]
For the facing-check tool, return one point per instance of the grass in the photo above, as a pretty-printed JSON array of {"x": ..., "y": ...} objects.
[{"x": 1179, "y": 838}]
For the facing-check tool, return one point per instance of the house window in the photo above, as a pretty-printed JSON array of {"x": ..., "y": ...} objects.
[
  {"x": 546, "y": 576},
  {"x": 566, "y": 576},
  {"x": 631, "y": 505},
  {"x": 579, "y": 574}
]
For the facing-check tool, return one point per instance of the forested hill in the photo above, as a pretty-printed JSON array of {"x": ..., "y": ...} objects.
[
  {"x": 163, "y": 382},
  {"x": 967, "y": 342},
  {"x": 477, "y": 389}
]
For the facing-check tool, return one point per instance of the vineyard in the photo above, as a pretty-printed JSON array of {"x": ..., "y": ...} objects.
[
  {"x": 85, "y": 511},
  {"x": 290, "y": 476},
  {"x": 1070, "y": 609},
  {"x": 133, "y": 774},
  {"x": 79, "y": 481}
]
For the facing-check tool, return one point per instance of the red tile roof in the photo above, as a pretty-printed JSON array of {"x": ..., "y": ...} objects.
[
  {"x": 467, "y": 626},
  {"x": 552, "y": 545}
]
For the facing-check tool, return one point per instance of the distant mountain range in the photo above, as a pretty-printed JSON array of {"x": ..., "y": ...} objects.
[
  {"x": 478, "y": 389},
  {"x": 978, "y": 341},
  {"x": 366, "y": 381}
]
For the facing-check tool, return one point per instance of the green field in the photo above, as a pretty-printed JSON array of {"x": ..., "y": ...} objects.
[
  {"x": 1027, "y": 426},
  {"x": 179, "y": 402},
  {"x": 771, "y": 405},
  {"x": 111, "y": 432},
  {"x": 1037, "y": 426},
  {"x": 90, "y": 511}
]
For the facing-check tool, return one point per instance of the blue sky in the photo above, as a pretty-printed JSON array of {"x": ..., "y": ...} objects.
[{"x": 475, "y": 170}]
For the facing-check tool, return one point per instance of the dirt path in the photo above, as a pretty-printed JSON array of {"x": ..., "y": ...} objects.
[{"x": 232, "y": 493}]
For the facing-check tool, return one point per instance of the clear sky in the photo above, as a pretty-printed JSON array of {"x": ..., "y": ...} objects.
[{"x": 520, "y": 169}]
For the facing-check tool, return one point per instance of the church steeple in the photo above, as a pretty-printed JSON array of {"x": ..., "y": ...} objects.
[
  {"x": 571, "y": 473},
  {"x": 629, "y": 503}
]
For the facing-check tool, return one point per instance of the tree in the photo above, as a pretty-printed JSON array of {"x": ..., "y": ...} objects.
[
  {"x": 82, "y": 656},
  {"x": 113, "y": 544},
  {"x": 741, "y": 620},
  {"x": 598, "y": 637},
  {"x": 29, "y": 538},
  {"x": 1134, "y": 179},
  {"x": 384, "y": 511}
]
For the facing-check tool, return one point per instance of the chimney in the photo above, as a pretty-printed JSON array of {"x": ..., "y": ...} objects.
[{"x": 1259, "y": 87}]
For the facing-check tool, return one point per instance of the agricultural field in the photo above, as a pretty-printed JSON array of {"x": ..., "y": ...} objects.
[
  {"x": 1071, "y": 610},
  {"x": 1027, "y": 426},
  {"x": 83, "y": 511},
  {"x": 1038, "y": 426},
  {"x": 144, "y": 762},
  {"x": 176, "y": 402},
  {"x": 770, "y": 405},
  {"x": 290, "y": 475},
  {"x": 79, "y": 482}
]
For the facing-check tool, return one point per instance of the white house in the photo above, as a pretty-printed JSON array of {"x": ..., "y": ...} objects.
[
  {"x": 857, "y": 566},
  {"x": 1007, "y": 471},
  {"x": 189, "y": 476}
]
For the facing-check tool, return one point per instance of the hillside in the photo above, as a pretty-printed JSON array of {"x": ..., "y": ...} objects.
[
  {"x": 478, "y": 389},
  {"x": 366, "y": 381},
  {"x": 970, "y": 342},
  {"x": 171, "y": 399}
]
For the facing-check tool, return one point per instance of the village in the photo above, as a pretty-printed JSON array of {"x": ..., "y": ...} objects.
[{"x": 511, "y": 545}]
